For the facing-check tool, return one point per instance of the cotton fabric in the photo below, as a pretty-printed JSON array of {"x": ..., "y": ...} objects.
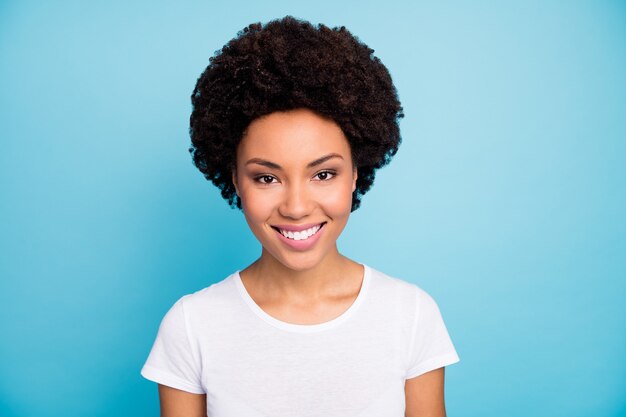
[{"x": 219, "y": 342}]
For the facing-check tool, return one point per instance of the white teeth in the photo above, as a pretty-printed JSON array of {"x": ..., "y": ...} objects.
[{"x": 301, "y": 235}]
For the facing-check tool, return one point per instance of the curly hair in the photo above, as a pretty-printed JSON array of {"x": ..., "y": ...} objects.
[{"x": 286, "y": 64}]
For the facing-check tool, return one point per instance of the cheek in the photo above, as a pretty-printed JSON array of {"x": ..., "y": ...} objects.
[
  {"x": 257, "y": 205},
  {"x": 337, "y": 201}
]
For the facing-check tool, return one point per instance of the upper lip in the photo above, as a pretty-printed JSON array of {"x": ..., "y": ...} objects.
[{"x": 296, "y": 227}]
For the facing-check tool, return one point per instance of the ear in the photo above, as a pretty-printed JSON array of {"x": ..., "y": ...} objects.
[
  {"x": 354, "y": 177},
  {"x": 234, "y": 179}
]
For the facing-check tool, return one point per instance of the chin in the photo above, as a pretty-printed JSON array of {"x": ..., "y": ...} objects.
[{"x": 298, "y": 262}]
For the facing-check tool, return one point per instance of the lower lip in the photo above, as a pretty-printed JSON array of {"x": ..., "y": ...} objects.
[{"x": 304, "y": 244}]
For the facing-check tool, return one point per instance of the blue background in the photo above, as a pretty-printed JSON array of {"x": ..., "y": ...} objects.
[{"x": 506, "y": 201}]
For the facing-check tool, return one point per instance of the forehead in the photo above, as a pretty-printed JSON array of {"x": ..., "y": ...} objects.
[{"x": 298, "y": 136}]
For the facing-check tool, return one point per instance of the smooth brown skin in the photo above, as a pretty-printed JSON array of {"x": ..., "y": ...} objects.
[
  {"x": 311, "y": 286},
  {"x": 177, "y": 403},
  {"x": 424, "y": 395}
]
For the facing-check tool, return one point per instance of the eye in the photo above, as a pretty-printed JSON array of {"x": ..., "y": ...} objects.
[
  {"x": 265, "y": 179},
  {"x": 325, "y": 175}
]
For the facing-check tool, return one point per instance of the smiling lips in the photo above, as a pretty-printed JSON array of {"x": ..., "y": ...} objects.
[{"x": 299, "y": 237}]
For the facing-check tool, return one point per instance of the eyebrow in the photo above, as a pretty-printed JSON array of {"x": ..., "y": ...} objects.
[{"x": 311, "y": 164}]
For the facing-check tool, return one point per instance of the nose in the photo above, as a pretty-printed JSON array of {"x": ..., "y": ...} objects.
[{"x": 296, "y": 203}]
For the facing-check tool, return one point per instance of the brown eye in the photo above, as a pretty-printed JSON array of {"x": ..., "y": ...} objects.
[
  {"x": 265, "y": 179},
  {"x": 324, "y": 175}
]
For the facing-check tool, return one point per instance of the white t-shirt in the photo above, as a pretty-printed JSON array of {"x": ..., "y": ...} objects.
[{"x": 218, "y": 341}]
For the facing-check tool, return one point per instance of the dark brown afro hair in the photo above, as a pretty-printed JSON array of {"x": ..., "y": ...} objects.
[{"x": 287, "y": 64}]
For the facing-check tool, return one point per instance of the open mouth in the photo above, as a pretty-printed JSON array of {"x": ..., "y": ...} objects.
[{"x": 302, "y": 234}]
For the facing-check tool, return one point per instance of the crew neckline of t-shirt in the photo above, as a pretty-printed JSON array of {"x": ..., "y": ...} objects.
[{"x": 305, "y": 328}]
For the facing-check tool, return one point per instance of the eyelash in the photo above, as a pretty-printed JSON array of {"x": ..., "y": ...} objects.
[{"x": 259, "y": 178}]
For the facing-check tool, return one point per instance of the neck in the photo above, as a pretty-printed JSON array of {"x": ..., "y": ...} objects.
[{"x": 334, "y": 275}]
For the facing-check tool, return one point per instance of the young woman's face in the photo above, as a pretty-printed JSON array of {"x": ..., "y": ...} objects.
[{"x": 295, "y": 179}]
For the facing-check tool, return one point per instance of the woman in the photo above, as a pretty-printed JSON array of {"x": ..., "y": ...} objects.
[{"x": 291, "y": 122}]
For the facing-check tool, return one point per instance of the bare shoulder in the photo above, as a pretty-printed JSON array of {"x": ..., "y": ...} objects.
[
  {"x": 425, "y": 395},
  {"x": 175, "y": 402}
]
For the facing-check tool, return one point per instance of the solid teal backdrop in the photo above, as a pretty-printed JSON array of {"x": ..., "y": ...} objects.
[{"x": 506, "y": 201}]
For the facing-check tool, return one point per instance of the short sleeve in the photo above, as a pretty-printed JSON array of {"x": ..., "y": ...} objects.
[
  {"x": 431, "y": 346},
  {"x": 172, "y": 360}
]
